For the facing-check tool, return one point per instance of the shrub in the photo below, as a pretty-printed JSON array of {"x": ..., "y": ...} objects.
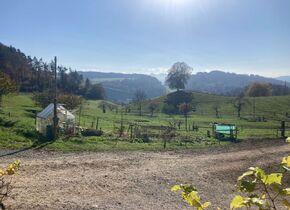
[
  {"x": 27, "y": 132},
  {"x": 263, "y": 191},
  {"x": 70, "y": 101},
  {"x": 92, "y": 132},
  {"x": 173, "y": 100},
  {"x": 5, "y": 182},
  {"x": 7, "y": 123}
]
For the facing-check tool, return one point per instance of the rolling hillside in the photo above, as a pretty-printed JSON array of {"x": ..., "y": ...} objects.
[
  {"x": 17, "y": 120},
  {"x": 284, "y": 78},
  {"x": 271, "y": 106},
  {"x": 122, "y": 87},
  {"x": 219, "y": 82}
]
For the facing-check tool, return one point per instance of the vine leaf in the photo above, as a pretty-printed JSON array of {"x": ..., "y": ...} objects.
[
  {"x": 274, "y": 178},
  {"x": 175, "y": 188},
  {"x": 286, "y": 163},
  {"x": 237, "y": 202},
  {"x": 286, "y": 203},
  {"x": 247, "y": 186}
]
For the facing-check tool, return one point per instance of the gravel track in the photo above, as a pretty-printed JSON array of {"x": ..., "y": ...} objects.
[{"x": 133, "y": 180}]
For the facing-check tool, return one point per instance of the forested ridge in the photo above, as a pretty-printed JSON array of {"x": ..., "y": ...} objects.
[
  {"x": 32, "y": 74},
  {"x": 232, "y": 84}
]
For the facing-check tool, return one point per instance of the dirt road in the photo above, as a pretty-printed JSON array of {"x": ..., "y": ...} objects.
[{"x": 134, "y": 180}]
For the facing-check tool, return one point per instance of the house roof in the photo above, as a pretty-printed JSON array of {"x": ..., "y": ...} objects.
[{"x": 44, "y": 114}]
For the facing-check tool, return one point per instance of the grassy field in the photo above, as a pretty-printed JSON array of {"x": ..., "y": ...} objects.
[
  {"x": 273, "y": 107},
  {"x": 17, "y": 127}
]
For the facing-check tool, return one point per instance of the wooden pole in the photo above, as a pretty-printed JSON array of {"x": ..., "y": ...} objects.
[
  {"x": 97, "y": 124},
  {"x": 254, "y": 107},
  {"x": 55, "y": 118},
  {"x": 282, "y": 128},
  {"x": 131, "y": 131},
  {"x": 80, "y": 113}
]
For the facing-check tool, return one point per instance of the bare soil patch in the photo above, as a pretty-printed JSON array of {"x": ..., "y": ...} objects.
[{"x": 134, "y": 180}]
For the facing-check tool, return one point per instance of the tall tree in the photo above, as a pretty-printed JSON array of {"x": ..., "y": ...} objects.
[
  {"x": 96, "y": 92},
  {"x": 6, "y": 85},
  {"x": 178, "y": 75},
  {"x": 87, "y": 86},
  {"x": 257, "y": 89}
]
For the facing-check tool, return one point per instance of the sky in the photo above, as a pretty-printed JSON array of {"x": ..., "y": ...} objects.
[{"x": 149, "y": 36}]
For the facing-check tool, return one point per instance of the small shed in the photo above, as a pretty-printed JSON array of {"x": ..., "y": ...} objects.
[{"x": 44, "y": 119}]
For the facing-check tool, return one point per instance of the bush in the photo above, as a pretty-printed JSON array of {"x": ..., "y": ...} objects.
[
  {"x": 7, "y": 123},
  {"x": 145, "y": 138},
  {"x": 173, "y": 100},
  {"x": 168, "y": 109},
  {"x": 92, "y": 132},
  {"x": 5, "y": 181},
  {"x": 70, "y": 101},
  {"x": 27, "y": 133},
  {"x": 261, "y": 190}
]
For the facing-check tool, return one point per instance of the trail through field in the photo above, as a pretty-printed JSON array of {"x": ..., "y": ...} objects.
[{"x": 134, "y": 180}]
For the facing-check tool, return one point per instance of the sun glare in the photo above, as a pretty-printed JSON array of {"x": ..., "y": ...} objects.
[{"x": 174, "y": 2}]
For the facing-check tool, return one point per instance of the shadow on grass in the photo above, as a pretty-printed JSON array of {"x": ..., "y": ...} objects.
[{"x": 39, "y": 144}]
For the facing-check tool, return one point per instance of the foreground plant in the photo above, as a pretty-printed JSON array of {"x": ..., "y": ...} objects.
[
  {"x": 263, "y": 191},
  {"x": 190, "y": 195},
  {"x": 5, "y": 181}
]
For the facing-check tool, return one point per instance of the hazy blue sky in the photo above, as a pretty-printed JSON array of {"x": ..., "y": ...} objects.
[{"x": 242, "y": 36}]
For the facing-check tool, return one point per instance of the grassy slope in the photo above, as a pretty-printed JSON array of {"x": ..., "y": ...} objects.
[
  {"x": 18, "y": 109},
  {"x": 204, "y": 115},
  {"x": 21, "y": 134},
  {"x": 271, "y": 107}
]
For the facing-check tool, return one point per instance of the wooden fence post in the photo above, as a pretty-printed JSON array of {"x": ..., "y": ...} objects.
[
  {"x": 283, "y": 129},
  {"x": 97, "y": 123}
]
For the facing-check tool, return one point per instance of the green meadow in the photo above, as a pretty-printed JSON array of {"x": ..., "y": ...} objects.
[{"x": 17, "y": 125}]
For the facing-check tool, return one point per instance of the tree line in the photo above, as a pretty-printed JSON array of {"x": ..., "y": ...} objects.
[{"x": 28, "y": 74}]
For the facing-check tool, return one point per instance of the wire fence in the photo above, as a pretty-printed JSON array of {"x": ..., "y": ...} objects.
[{"x": 247, "y": 126}]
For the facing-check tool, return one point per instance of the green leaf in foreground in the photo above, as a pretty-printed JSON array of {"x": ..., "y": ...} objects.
[
  {"x": 237, "y": 202},
  {"x": 274, "y": 178}
]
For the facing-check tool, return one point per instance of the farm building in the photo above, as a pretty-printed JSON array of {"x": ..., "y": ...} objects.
[{"x": 44, "y": 120}]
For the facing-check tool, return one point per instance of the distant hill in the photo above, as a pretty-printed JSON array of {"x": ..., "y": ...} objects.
[
  {"x": 219, "y": 82},
  {"x": 122, "y": 87},
  {"x": 161, "y": 77},
  {"x": 284, "y": 78}
]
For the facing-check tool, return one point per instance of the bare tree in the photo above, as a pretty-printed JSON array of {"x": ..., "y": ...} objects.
[
  {"x": 152, "y": 108},
  {"x": 139, "y": 98},
  {"x": 238, "y": 103},
  {"x": 216, "y": 107},
  {"x": 185, "y": 108}
]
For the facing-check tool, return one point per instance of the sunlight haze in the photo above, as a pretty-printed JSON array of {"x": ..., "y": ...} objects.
[{"x": 249, "y": 36}]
